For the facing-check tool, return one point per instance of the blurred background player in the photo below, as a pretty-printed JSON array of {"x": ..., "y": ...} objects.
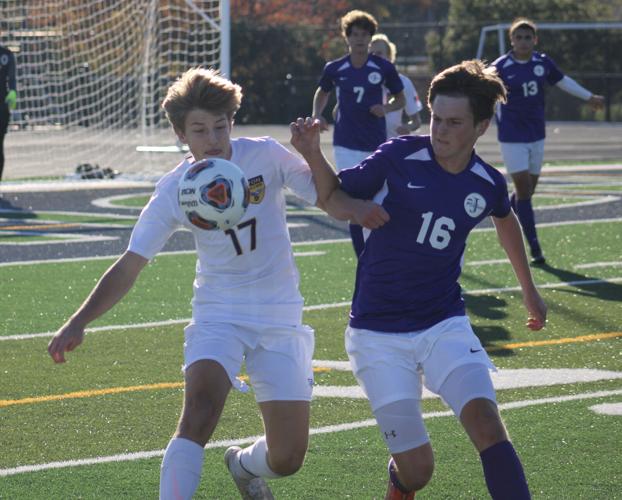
[
  {"x": 408, "y": 325},
  {"x": 8, "y": 96},
  {"x": 360, "y": 80},
  {"x": 521, "y": 123},
  {"x": 407, "y": 120}
]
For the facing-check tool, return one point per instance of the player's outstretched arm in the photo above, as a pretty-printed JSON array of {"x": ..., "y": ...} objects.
[
  {"x": 306, "y": 139},
  {"x": 111, "y": 288},
  {"x": 511, "y": 239},
  {"x": 320, "y": 100},
  {"x": 569, "y": 85}
]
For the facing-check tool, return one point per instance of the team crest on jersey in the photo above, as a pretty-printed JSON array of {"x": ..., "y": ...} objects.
[
  {"x": 4, "y": 59},
  {"x": 374, "y": 77},
  {"x": 474, "y": 205},
  {"x": 538, "y": 70},
  {"x": 257, "y": 188}
]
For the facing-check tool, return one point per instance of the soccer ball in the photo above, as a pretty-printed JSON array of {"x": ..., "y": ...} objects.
[{"x": 214, "y": 194}]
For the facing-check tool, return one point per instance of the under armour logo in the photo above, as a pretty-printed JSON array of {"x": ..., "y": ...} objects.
[{"x": 389, "y": 434}]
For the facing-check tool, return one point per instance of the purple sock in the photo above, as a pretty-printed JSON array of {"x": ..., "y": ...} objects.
[
  {"x": 524, "y": 211},
  {"x": 504, "y": 473}
]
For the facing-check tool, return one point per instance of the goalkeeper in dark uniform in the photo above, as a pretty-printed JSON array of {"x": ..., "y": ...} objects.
[{"x": 8, "y": 96}]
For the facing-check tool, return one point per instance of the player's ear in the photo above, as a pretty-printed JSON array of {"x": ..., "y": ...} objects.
[
  {"x": 482, "y": 126},
  {"x": 180, "y": 135}
]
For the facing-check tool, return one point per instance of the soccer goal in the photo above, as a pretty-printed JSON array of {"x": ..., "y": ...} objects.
[
  {"x": 91, "y": 75},
  {"x": 502, "y": 29}
]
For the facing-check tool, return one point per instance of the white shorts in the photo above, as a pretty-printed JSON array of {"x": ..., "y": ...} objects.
[
  {"x": 393, "y": 366},
  {"x": 348, "y": 158},
  {"x": 278, "y": 357},
  {"x": 521, "y": 156}
]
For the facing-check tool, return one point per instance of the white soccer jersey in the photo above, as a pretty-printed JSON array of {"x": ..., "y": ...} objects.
[
  {"x": 413, "y": 105},
  {"x": 247, "y": 273}
]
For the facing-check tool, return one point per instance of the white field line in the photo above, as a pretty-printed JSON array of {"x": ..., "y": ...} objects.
[
  {"x": 315, "y": 253},
  {"x": 486, "y": 262},
  {"x": 617, "y": 263},
  {"x": 316, "y": 431},
  {"x": 73, "y": 214},
  {"x": 54, "y": 238},
  {"x": 518, "y": 378},
  {"x": 109, "y": 201},
  {"x": 598, "y": 201},
  {"x": 26, "y": 336}
]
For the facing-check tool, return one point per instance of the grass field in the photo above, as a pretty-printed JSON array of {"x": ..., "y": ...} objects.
[{"x": 96, "y": 426}]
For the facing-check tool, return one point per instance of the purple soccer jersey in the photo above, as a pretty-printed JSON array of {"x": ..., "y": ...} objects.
[
  {"x": 521, "y": 119},
  {"x": 407, "y": 275},
  {"x": 358, "y": 89}
]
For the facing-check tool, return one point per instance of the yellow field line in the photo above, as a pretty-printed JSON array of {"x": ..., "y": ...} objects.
[
  {"x": 90, "y": 393},
  {"x": 568, "y": 340},
  {"x": 104, "y": 392},
  {"x": 178, "y": 385}
]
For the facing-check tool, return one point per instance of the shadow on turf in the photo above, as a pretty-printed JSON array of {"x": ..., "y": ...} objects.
[
  {"x": 490, "y": 308},
  {"x": 605, "y": 291}
]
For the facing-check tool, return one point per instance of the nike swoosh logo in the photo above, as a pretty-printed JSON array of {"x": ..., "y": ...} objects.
[
  {"x": 474, "y": 350},
  {"x": 412, "y": 186},
  {"x": 511, "y": 76}
]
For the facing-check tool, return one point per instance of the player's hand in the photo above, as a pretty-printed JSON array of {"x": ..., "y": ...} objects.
[
  {"x": 596, "y": 101},
  {"x": 403, "y": 129},
  {"x": 65, "y": 340},
  {"x": 11, "y": 99},
  {"x": 305, "y": 135},
  {"x": 322, "y": 120},
  {"x": 377, "y": 110},
  {"x": 370, "y": 215},
  {"x": 537, "y": 311}
]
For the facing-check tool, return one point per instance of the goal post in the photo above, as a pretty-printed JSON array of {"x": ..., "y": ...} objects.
[
  {"x": 502, "y": 29},
  {"x": 91, "y": 76}
]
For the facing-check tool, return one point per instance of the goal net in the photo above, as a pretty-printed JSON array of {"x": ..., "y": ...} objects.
[{"x": 91, "y": 75}]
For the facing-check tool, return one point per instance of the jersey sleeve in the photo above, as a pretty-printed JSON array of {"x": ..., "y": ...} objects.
[
  {"x": 367, "y": 178},
  {"x": 326, "y": 80},
  {"x": 502, "y": 207},
  {"x": 393, "y": 82},
  {"x": 158, "y": 220},
  {"x": 295, "y": 173},
  {"x": 554, "y": 74}
]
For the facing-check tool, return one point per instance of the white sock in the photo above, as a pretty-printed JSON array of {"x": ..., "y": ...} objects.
[
  {"x": 181, "y": 469},
  {"x": 254, "y": 459}
]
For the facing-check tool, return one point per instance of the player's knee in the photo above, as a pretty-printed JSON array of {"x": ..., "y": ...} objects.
[
  {"x": 286, "y": 463},
  {"x": 483, "y": 423},
  {"x": 415, "y": 477},
  {"x": 199, "y": 418}
]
